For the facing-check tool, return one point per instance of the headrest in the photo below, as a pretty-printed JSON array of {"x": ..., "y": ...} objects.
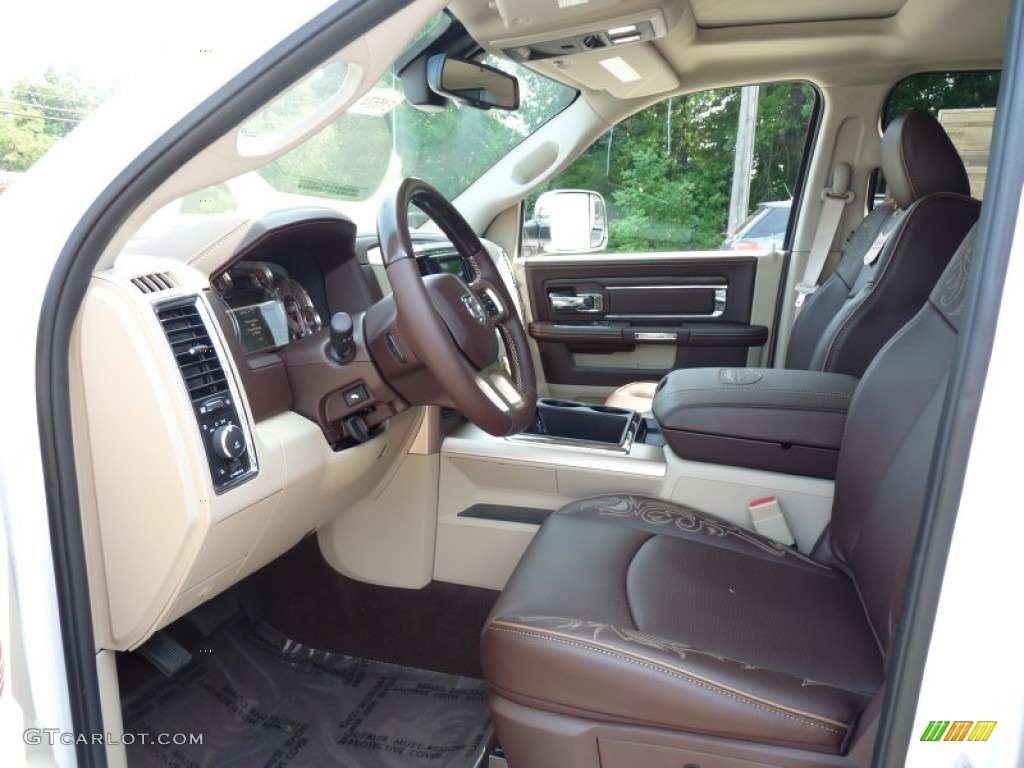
[{"x": 918, "y": 159}]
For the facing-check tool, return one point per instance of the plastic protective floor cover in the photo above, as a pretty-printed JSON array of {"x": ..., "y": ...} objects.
[{"x": 260, "y": 700}]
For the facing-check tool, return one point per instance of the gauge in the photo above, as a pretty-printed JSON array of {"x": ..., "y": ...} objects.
[
  {"x": 303, "y": 319},
  {"x": 276, "y": 308}
]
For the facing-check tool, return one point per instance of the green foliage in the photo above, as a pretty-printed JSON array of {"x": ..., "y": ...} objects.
[
  {"x": 35, "y": 114},
  {"x": 666, "y": 172},
  {"x": 936, "y": 91}
]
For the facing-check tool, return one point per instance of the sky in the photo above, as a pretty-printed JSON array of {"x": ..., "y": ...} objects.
[{"x": 113, "y": 40}]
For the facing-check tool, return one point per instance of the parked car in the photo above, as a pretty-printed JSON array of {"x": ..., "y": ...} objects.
[
  {"x": 764, "y": 229},
  {"x": 268, "y": 468}
]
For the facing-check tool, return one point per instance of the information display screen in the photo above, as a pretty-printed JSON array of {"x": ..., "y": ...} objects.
[{"x": 261, "y": 326}]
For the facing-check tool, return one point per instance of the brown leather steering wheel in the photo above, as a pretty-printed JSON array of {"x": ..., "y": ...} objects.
[{"x": 452, "y": 327}]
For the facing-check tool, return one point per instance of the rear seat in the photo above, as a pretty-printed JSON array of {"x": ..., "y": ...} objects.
[{"x": 891, "y": 261}]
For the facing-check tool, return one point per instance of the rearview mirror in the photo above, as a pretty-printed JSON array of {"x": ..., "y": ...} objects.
[
  {"x": 472, "y": 84},
  {"x": 567, "y": 221}
]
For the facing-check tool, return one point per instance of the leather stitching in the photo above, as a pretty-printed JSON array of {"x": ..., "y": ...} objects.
[
  {"x": 510, "y": 348},
  {"x": 904, "y": 149},
  {"x": 658, "y": 666}
]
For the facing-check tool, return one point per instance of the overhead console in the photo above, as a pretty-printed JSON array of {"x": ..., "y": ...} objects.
[
  {"x": 775, "y": 420},
  {"x": 634, "y": 28}
]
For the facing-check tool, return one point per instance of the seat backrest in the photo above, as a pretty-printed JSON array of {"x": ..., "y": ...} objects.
[
  {"x": 887, "y": 450},
  {"x": 895, "y": 255}
]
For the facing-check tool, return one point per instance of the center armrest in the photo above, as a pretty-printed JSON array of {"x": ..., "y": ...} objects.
[{"x": 765, "y": 418}]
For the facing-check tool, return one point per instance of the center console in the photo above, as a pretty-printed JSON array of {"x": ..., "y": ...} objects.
[
  {"x": 762, "y": 418},
  {"x": 723, "y": 440}
]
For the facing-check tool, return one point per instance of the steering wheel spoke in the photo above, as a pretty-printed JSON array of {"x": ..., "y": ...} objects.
[{"x": 499, "y": 388}]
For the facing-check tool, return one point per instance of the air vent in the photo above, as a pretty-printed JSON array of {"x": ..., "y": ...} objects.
[
  {"x": 161, "y": 281},
  {"x": 224, "y": 434},
  {"x": 193, "y": 350}
]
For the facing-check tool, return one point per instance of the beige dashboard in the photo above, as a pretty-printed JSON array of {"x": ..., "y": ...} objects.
[{"x": 161, "y": 536}]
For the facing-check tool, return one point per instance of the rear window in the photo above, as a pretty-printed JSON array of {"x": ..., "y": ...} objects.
[{"x": 964, "y": 103}]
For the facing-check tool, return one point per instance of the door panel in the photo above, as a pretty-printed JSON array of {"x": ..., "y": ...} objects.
[{"x": 606, "y": 320}]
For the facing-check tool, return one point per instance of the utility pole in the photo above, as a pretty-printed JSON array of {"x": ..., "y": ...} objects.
[{"x": 739, "y": 202}]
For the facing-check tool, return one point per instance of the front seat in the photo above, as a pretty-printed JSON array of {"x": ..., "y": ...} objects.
[
  {"x": 636, "y": 631},
  {"x": 890, "y": 263}
]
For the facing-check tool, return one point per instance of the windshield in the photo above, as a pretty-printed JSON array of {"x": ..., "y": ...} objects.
[
  {"x": 353, "y": 162},
  {"x": 356, "y": 159}
]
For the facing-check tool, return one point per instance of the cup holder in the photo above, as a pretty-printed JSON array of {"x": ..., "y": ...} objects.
[
  {"x": 611, "y": 409},
  {"x": 579, "y": 422}
]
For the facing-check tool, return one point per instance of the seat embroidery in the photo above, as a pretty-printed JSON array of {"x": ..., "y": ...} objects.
[
  {"x": 658, "y": 513},
  {"x": 594, "y": 630}
]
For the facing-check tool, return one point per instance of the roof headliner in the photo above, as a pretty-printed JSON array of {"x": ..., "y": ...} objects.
[{"x": 719, "y": 42}]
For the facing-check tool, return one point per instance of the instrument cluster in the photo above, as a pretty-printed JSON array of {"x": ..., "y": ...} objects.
[{"x": 268, "y": 308}]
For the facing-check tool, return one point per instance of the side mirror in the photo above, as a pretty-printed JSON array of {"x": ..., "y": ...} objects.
[
  {"x": 567, "y": 221},
  {"x": 472, "y": 84}
]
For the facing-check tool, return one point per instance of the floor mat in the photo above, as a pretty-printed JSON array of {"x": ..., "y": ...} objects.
[
  {"x": 260, "y": 700},
  {"x": 437, "y": 627}
]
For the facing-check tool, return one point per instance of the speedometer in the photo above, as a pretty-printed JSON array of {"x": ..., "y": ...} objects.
[{"x": 268, "y": 308}]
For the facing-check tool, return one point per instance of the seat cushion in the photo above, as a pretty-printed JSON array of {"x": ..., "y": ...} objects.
[{"x": 635, "y": 610}]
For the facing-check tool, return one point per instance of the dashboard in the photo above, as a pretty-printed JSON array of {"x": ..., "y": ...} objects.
[{"x": 256, "y": 435}]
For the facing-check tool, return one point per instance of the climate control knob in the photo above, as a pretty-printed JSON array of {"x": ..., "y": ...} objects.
[{"x": 229, "y": 441}]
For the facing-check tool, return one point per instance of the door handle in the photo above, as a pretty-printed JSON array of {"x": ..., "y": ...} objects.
[{"x": 580, "y": 303}]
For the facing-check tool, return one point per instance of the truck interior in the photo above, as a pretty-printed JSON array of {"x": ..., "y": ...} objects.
[{"x": 362, "y": 480}]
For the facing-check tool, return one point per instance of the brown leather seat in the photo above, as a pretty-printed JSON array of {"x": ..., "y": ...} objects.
[
  {"x": 844, "y": 323},
  {"x": 639, "y": 632}
]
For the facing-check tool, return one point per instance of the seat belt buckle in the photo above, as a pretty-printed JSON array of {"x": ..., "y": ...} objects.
[
  {"x": 766, "y": 514},
  {"x": 803, "y": 290}
]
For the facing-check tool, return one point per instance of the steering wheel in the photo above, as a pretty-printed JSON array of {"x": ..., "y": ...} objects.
[{"x": 452, "y": 327}]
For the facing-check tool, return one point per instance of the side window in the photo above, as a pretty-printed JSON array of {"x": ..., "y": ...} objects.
[
  {"x": 671, "y": 181},
  {"x": 965, "y": 105}
]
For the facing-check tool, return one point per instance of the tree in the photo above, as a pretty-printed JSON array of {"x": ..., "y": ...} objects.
[
  {"x": 35, "y": 114},
  {"x": 666, "y": 172},
  {"x": 937, "y": 91}
]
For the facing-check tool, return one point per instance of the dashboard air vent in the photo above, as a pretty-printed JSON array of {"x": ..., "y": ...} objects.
[
  {"x": 160, "y": 281},
  {"x": 193, "y": 350}
]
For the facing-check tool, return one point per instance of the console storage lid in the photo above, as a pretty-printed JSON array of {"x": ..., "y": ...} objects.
[{"x": 778, "y": 420}]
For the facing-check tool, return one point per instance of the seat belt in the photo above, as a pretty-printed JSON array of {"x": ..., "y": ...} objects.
[{"x": 836, "y": 197}]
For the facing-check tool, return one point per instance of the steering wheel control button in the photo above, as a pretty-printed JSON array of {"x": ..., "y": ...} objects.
[
  {"x": 343, "y": 343},
  {"x": 356, "y": 395},
  {"x": 488, "y": 304},
  {"x": 475, "y": 308},
  {"x": 229, "y": 441}
]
